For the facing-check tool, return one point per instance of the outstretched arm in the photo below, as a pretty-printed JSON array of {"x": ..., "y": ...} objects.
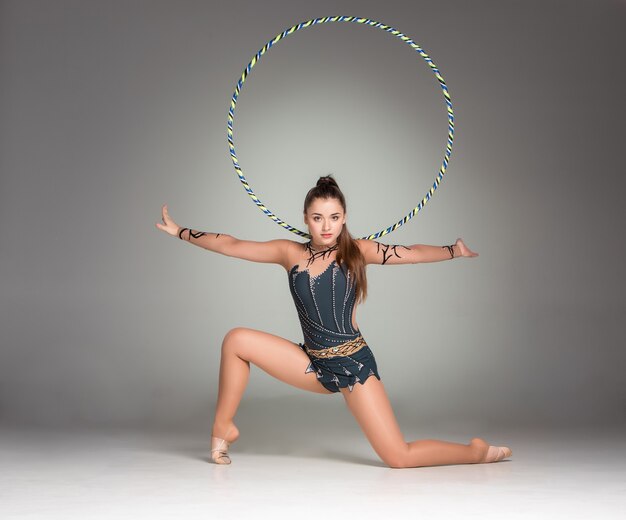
[
  {"x": 272, "y": 251},
  {"x": 389, "y": 254}
]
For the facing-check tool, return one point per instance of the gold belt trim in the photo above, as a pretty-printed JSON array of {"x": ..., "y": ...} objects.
[{"x": 345, "y": 349}]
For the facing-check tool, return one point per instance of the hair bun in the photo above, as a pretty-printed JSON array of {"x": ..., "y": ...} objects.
[{"x": 328, "y": 180}]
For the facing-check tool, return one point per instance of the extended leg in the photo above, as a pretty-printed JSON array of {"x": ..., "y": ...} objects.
[{"x": 370, "y": 406}]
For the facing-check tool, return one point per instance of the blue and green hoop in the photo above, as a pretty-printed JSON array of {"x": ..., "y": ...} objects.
[{"x": 364, "y": 21}]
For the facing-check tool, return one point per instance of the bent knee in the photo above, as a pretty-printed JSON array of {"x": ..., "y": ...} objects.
[
  {"x": 396, "y": 459},
  {"x": 233, "y": 336},
  {"x": 396, "y": 463}
]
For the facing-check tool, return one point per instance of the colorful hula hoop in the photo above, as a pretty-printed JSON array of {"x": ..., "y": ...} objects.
[{"x": 371, "y": 23}]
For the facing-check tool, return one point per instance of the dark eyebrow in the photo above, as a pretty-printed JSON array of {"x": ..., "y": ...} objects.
[{"x": 322, "y": 215}]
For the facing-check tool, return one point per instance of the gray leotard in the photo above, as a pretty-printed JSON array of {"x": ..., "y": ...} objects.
[{"x": 324, "y": 303}]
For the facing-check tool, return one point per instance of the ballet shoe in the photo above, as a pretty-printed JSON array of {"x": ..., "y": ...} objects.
[
  {"x": 219, "y": 449},
  {"x": 497, "y": 453}
]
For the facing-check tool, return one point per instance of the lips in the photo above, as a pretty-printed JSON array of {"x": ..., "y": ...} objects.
[{"x": 327, "y": 236}]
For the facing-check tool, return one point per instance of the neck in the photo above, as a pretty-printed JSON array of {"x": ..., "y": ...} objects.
[{"x": 320, "y": 248}]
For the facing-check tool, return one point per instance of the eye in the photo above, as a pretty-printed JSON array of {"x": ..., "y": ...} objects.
[{"x": 336, "y": 217}]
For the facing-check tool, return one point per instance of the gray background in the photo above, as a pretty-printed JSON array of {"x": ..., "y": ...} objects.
[{"x": 110, "y": 109}]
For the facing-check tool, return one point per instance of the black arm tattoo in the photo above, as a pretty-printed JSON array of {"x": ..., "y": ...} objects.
[
  {"x": 386, "y": 248},
  {"x": 196, "y": 234},
  {"x": 450, "y": 250}
]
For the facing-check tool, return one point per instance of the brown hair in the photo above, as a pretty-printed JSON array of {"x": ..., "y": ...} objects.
[{"x": 348, "y": 250}]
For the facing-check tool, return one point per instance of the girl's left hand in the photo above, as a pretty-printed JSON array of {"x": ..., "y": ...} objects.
[
  {"x": 169, "y": 226},
  {"x": 465, "y": 251}
]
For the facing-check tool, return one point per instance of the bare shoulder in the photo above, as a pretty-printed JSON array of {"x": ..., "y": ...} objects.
[
  {"x": 291, "y": 250},
  {"x": 367, "y": 248},
  {"x": 293, "y": 255}
]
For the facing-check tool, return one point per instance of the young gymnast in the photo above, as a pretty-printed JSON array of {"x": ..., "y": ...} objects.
[{"x": 327, "y": 279}]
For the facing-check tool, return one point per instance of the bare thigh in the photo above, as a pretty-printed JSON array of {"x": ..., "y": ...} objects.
[
  {"x": 280, "y": 358},
  {"x": 370, "y": 406}
]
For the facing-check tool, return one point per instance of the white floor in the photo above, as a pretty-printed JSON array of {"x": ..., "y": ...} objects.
[{"x": 97, "y": 475}]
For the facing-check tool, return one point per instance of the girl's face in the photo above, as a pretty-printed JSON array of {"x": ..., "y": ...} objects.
[{"x": 325, "y": 219}]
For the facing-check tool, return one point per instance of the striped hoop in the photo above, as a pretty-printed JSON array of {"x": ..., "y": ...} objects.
[{"x": 371, "y": 23}]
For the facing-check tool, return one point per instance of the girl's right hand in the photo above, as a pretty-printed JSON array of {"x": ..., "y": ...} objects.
[{"x": 169, "y": 226}]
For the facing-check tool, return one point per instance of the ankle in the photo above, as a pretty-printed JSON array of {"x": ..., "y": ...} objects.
[
  {"x": 225, "y": 430},
  {"x": 479, "y": 448},
  {"x": 221, "y": 425}
]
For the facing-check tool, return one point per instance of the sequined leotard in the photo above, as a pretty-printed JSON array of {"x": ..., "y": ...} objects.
[{"x": 325, "y": 303}]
